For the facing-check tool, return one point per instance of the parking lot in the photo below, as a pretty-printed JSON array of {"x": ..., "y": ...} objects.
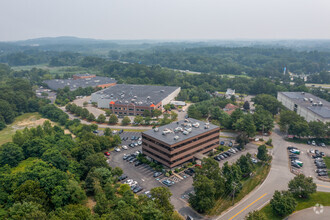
[{"x": 306, "y": 157}]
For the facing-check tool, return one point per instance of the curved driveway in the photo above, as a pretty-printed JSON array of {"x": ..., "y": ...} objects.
[{"x": 277, "y": 179}]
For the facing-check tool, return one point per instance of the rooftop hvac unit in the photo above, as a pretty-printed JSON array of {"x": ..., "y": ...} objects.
[
  {"x": 188, "y": 124},
  {"x": 86, "y": 82},
  {"x": 178, "y": 129},
  {"x": 176, "y": 137},
  {"x": 310, "y": 99},
  {"x": 156, "y": 129},
  {"x": 74, "y": 86},
  {"x": 162, "y": 90},
  {"x": 196, "y": 125},
  {"x": 185, "y": 132},
  {"x": 320, "y": 104},
  {"x": 166, "y": 131},
  {"x": 189, "y": 130},
  {"x": 148, "y": 97},
  {"x": 97, "y": 80},
  {"x": 56, "y": 80},
  {"x": 88, "y": 78},
  {"x": 135, "y": 96},
  {"x": 207, "y": 125},
  {"x": 306, "y": 99},
  {"x": 126, "y": 102},
  {"x": 303, "y": 93}
]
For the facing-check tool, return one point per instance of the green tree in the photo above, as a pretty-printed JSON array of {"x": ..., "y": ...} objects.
[
  {"x": 268, "y": 102},
  {"x": 246, "y": 124},
  {"x": 91, "y": 117},
  {"x": 242, "y": 139},
  {"x": 174, "y": 116},
  {"x": 10, "y": 154},
  {"x": 84, "y": 113},
  {"x": 27, "y": 210},
  {"x": 113, "y": 119},
  {"x": 245, "y": 163},
  {"x": 162, "y": 200},
  {"x": 317, "y": 129},
  {"x": 126, "y": 121},
  {"x": 246, "y": 105},
  {"x": 30, "y": 191},
  {"x": 283, "y": 203},
  {"x": 204, "y": 197},
  {"x": 156, "y": 113},
  {"x": 262, "y": 153},
  {"x": 101, "y": 118},
  {"x": 146, "y": 113},
  {"x": 263, "y": 120},
  {"x": 138, "y": 119},
  {"x": 107, "y": 132},
  {"x": 302, "y": 186}
]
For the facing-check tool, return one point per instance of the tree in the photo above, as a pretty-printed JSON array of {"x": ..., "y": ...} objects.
[
  {"x": 85, "y": 104},
  {"x": 156, "y": 113},
  {"x": 246, "y": 105},
  {"x": 146, "y": 113},
  {"x": 107, "y": 112},
  {"x": 10, "y": 154},
  {"x": 27, "y": 210},
  {"x": 203, "y": 199},
  {"x": 6, "y": 111},
  {"x": 101, "y": 118},
  {"x": 256, "y": 215},
  {"x": 263, "y": 120},
  {"x": 245, "y": 163},
  {"x": 299, "y": 128},
  {"x": 302, "y": 186},
  {"x": 283, "y": 203},
  {"x": 167, "y": 107},
  {"x": 113, "y": 119},
  {"x": 138, "y": 119},
  {"x": 162, "y": 200},
  {"x": 107, "y": 132},
  {"x": 246, "y": 124},
  {"x": 242, "y": 139},
  {"x": 287, "y": 118},
  {"x": 268, "y": 102},
  {"x": 91, "y": 117},
  {"x": 84, "y": 113},
  {"x": 30, "y": 191},
  {"x": 126, "y": 121},
  {"x": 262, "y": 153},
  {"x": 317, "y": 129},
  {"x": 174, "y": 116}
]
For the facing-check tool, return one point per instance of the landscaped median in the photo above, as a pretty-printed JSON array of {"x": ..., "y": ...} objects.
[{"x": 322, "y": 198}]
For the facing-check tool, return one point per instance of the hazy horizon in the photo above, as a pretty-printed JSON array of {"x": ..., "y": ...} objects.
[{"x": 183, "y": 20}]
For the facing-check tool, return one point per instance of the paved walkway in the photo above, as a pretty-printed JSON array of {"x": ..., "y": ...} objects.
[{"x": 317, "y": 213}]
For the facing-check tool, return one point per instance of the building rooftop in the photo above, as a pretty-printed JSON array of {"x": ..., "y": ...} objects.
[
  {"x": 83, "y": 74},
  {"x": 74, "y": 84},
  {"x": 142, "y": 95},
  {"x": 315, "y": 104},
  {"x": 180, "y": 131}
]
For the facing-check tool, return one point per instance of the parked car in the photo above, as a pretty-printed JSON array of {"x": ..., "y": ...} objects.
[
  {"x": 322, "y": 144},
  {"x": 230, "y": 144},
  {"x": 106, "y": 153},
  {"x": 188, "y": 172},
  {"x": 295, "y": 151},
  {"x": 139, "y": 142},
  {"x": 291, "y": 148},
  {"x": 294, "y": 164},
  {"x": 157, "y": 174},
  {"x": 254, "y": 160},
  {"x": 133, "y": 138},
  {"x": 309, "y": 142},
  {"x": 320, "y": 170},
  {"x": 138, "y": 163},
  {"x": 168, "y": 182},
  {"x": 122, "y": 177},
  {"x": 121, "y": 131},
  {"x": 323, "y": 174},
  {"x": 222, "y": 143},
  {"x": 313, "y": 143},
  {"x": 137, "y": 189},
  {"x": 126, "y": 156}
]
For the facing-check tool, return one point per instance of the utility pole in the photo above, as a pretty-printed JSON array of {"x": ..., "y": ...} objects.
[{"x": 234, "y": 185}]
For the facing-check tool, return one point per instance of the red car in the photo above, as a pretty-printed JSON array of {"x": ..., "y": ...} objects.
[{"x": 107, "y": 154}]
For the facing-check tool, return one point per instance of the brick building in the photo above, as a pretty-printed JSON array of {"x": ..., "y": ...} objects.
[{"x": 179, "y": 142}]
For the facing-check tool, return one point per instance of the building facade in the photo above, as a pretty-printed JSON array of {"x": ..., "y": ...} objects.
[
  {"x": 179, "y": 142},
  {"x": 311, "y": 107},
  {"x": 125, "y": 99}
]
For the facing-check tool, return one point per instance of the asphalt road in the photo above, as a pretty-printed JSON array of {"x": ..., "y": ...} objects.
[{"x": 277, "y": 179}]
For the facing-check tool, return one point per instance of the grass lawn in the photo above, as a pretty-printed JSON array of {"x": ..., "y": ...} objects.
[
  {"x": 327, "y": 162},
  {"x": 247, "y": 186},
  {"x": 318, "y": 197},
  {"x": 22, "y": 121}
]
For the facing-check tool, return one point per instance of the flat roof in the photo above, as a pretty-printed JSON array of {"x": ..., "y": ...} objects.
[
  {"x": 83, "y": 74},
  {"x": 74, "y": 84},
  {"x": 306, "y": 100},
  {"x": 142, "y": 95},
  {"x": 175, "y": 130}
]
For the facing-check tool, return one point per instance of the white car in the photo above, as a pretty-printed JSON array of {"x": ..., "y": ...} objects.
[
  {"x": 312, "y": 151},
  {"x": 117, "y": 149},
  {"x": 124, "y": 147},
  {"x": 133, "y": 183},
  {"x": 313, "y": 143},
  {"x": 129, "y": 181}
]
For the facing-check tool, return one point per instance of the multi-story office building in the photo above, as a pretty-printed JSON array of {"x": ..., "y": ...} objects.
[
  {"x": 178, "y": 142},
  {"x": 309, "y": 106},
  {"x": 126, "y": 99}
]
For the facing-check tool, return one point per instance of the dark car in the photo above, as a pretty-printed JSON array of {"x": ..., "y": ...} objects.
[
  {"x": 227, "y": 153},
  {"x": 167, "y": 182},
  {"x": 320, "y": 170},
  {"x": 192, "y": 170},
  {"x": 222, "y": 143},
  {"x": 122, "y": 177},
  {"x": 137, "y": 189},
  {"x": 121, "y": 131},
  {"x": 322, "y": 174},
  {"x": 125, "y": 157},
  {"x": 291, "y": 148},
  {"x": 133, "y": 138},
  {"x": 309, "y": 142},
  {"x": 138, "y": 163},
  {"x": 322, "y": 154},
  {"x": 224, "y": 155},
  {"x": 230, "y": 144},
  {"x": 188, "y": 172},
  {"x": 294, "y": 164}
]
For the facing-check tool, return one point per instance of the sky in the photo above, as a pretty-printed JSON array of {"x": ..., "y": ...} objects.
[{"x": 165, "y": 19}]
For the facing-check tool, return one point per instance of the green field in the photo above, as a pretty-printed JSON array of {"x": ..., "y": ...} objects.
[
  {"x": 318, "y": 197},
  {"x": 58, "y": 70},
  {"x": 22, "y": 121},
  {"x": 247, "y": 186}
]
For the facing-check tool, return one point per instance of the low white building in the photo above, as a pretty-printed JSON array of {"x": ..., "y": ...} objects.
[{"x": 309, "y": 106}]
